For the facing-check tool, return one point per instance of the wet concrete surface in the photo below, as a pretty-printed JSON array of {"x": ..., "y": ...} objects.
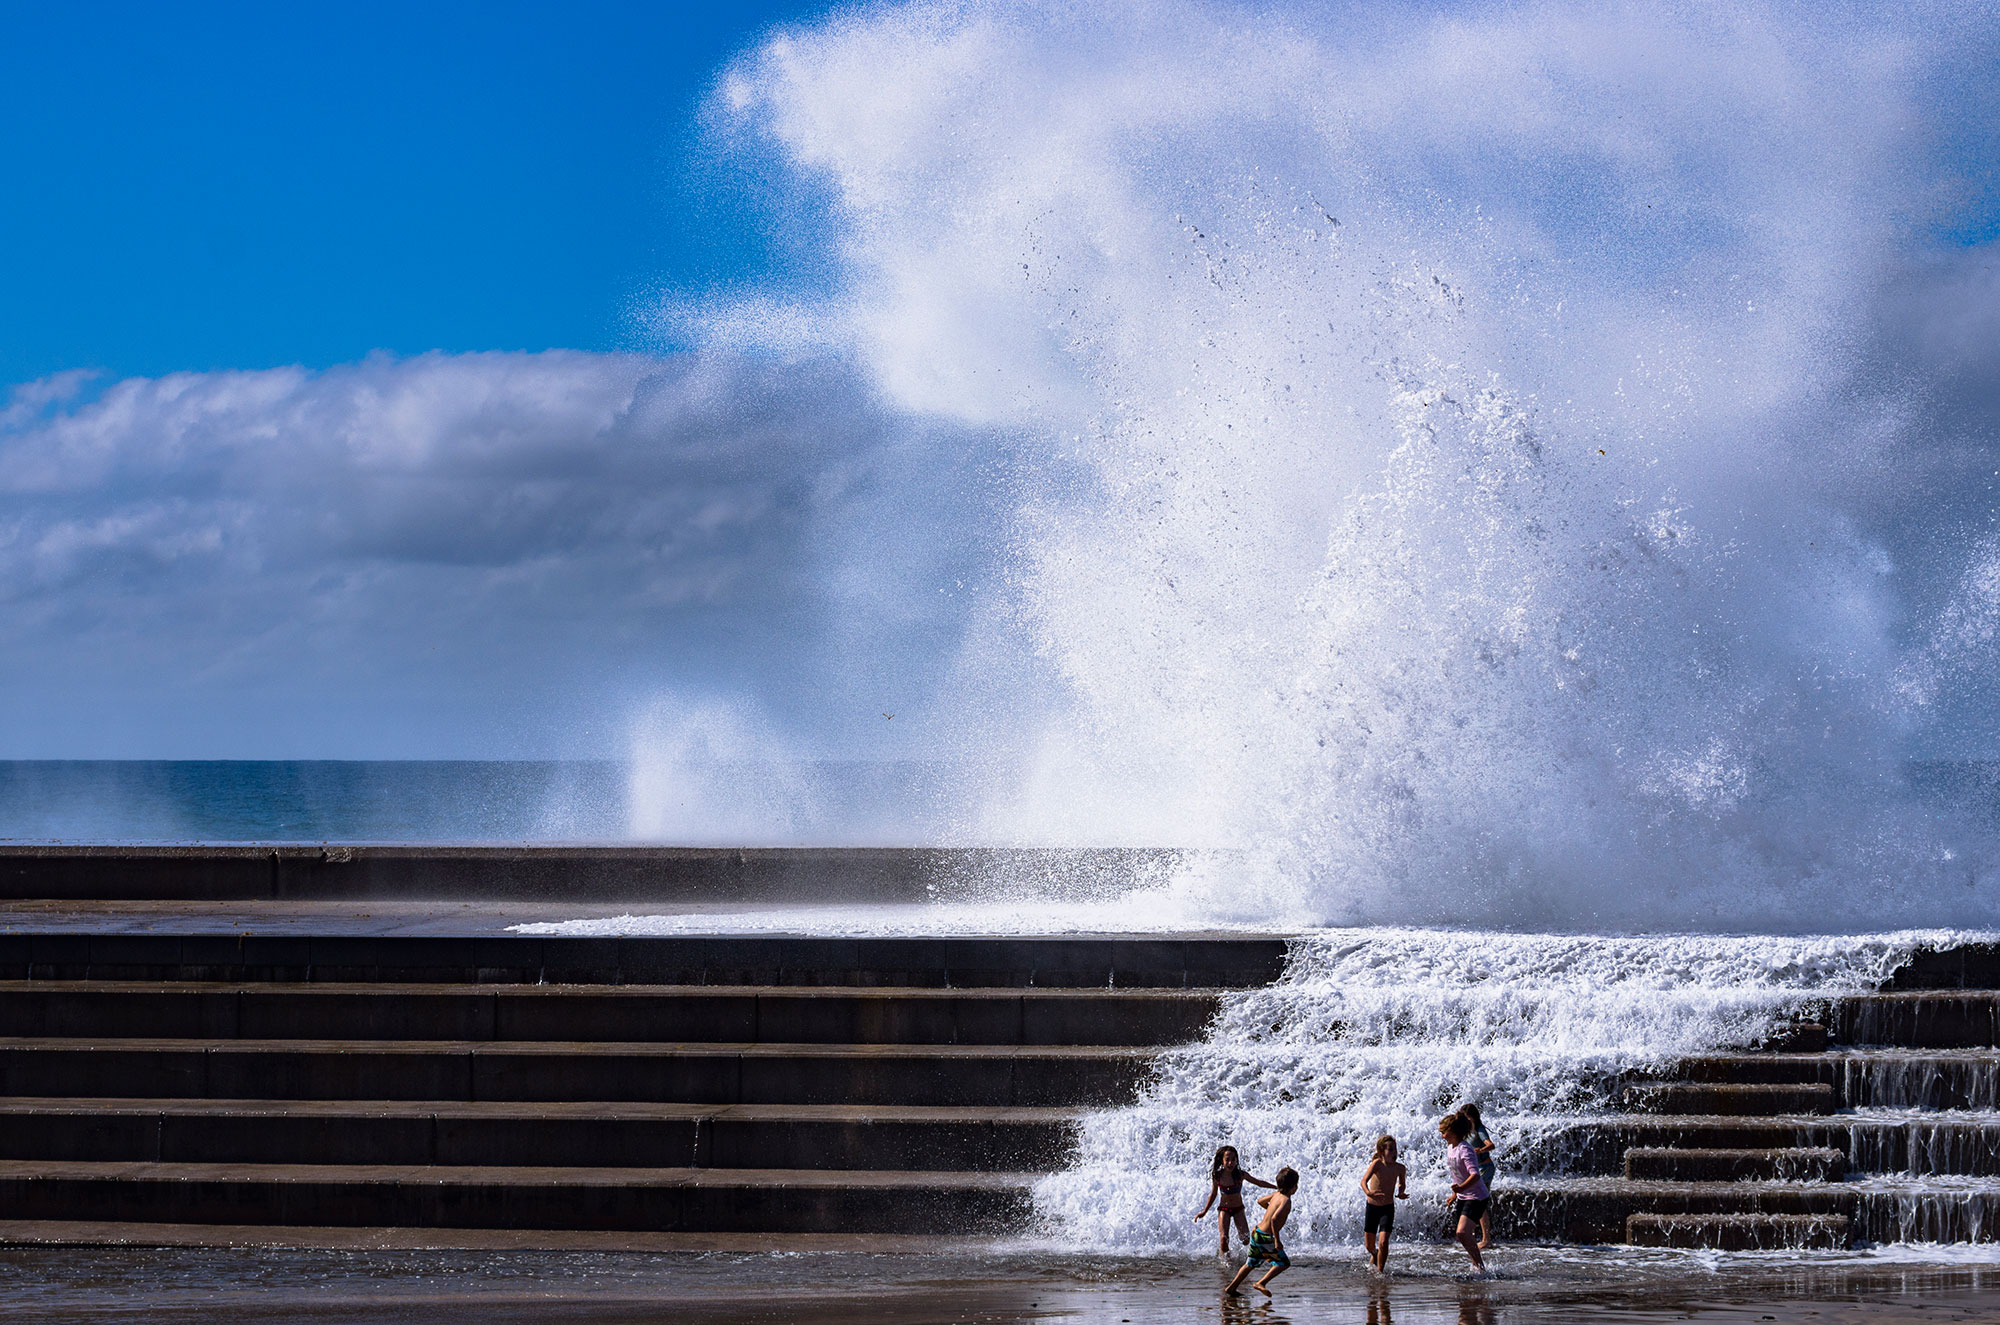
[
  {"x": 653, "y": 875},
  {"x": 385, "y": 918},
  {"x": 955, "y": 1284}
]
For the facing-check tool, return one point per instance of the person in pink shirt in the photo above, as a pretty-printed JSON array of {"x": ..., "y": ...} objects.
[{"x": 1467, "y": 1187}]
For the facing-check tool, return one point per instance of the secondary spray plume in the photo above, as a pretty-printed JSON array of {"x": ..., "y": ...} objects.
[{"x": 1440, "y": 441}]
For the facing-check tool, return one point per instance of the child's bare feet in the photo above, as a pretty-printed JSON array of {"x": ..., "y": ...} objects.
[{"x": 1260, "y": 1288}]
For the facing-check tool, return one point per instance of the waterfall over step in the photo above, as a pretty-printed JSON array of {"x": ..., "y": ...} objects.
[{"x": 1683, "y": 1091}]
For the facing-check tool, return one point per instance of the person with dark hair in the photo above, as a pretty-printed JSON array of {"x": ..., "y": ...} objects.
[
  {"x": 1225, "y": 1181},
  {"x": 1383, "y": 1184},
  {"x": 1265, "y": 1243},
  {"x": 1482, "y": 1146},
  {"x": 1467, "y": 1187}
]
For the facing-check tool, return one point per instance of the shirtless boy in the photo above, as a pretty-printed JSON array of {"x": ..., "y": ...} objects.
[
  {"x": 1384, "y": 1183},
  {"x": 1265, "y": 1243}
]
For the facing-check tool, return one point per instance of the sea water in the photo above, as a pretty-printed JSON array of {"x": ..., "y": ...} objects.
[{"x": 640, "y": 799}]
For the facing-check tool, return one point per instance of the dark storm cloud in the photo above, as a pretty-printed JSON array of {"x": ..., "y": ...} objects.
[{"x": 495, "y": 524}]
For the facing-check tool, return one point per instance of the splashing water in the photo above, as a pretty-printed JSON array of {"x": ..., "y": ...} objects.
[
  {"x": 1467, "y": 460},
  {"x": 1381, "y": 1032},
  {"x": 1470, "y": 467}
]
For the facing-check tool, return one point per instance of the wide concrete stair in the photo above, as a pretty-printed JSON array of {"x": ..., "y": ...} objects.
[
  {"x": 673, "y": 1085},
  {"x": 1875, "y": 1120}
]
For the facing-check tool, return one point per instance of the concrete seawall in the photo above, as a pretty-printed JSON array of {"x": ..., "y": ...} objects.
[
  {"x": 208, "y": 1038},
  {"x": 638, "y": 874}
]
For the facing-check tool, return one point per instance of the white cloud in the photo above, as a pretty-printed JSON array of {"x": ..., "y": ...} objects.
[{"x": 505, "y": 524}]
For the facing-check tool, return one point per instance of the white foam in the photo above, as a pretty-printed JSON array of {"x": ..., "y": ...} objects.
[
  {"x": 1383, "y": 1031},
  {"x": 1139, "y": 914}
]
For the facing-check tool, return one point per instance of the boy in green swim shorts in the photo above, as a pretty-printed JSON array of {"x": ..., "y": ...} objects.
[{"x": 1265, "y": 1244}]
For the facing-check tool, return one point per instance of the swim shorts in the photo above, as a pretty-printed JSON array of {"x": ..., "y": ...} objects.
[
  {"x": 1379, "y": 1218},
  {"x": 1473, "y": 1210},
  {"x": 1264, "y": 1247}
]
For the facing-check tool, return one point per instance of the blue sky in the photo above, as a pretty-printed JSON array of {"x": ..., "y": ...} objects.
[{"x": 193, "y": 187}]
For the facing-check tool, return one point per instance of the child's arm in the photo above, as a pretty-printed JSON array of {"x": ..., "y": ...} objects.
[
  {"x": 1402, "y": 1182},
  {"x": 1368, "y": 1173},
  {"x": 1281, "y": 1210},
  {"x": 1245, "y": 1175},
  {"x": 1484, "y": 1147},
  {"x": 1212, "y": 1185}
]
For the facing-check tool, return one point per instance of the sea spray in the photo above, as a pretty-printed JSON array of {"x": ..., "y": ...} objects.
[
  {"x": 1383, "y": 1031},
  {"x": 1468, "y": 458}
]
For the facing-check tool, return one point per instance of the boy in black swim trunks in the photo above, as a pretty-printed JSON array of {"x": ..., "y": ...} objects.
[
  {"x": 1384, "y": 1183},
  {"x": 1264, "y": 1240}
]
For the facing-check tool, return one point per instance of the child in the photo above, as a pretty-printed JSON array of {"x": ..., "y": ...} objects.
[
  {"x": 1383, "y": 1174},
  {"x": 1482, "y": 1146},
  {"x": 1467, "y": 1187},
  {"x": 1225, "y": 1179},
  {"x": 1265, "y": 1244}
]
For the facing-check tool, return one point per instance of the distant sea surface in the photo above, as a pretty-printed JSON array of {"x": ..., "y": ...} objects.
[
  {"x": 308, "y": 800},
  {"x": 826, "y": 802},
  {"x": 312, "y": 800}
]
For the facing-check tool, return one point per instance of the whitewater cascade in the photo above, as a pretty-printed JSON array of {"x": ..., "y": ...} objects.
[{"x": 1376, "y": 1032}]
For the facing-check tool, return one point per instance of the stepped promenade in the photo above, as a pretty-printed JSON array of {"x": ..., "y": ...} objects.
[{"x": 240, "y": 1045}]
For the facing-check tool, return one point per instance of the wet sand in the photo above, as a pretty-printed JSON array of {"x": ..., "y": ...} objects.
[{"x": 1544, "y": 1284}]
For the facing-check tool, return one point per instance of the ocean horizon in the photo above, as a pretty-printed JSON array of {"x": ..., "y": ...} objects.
[
  {"x": 141, "y": 801},
  {"x": 741, "y": 803}
]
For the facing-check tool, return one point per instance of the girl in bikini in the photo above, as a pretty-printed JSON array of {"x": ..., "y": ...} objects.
[{"x": 1225, "y": 1180}]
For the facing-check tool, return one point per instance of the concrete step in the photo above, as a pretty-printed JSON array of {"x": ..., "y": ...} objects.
[
  {"x": 1740, "y": 1232},
  {"x": 1797, "y": 1037},
  {"x": 789, "y": 1014},
  {"x": 1596, "y": 1209},
  {"x": 1867, "y": 1078},
  {"x": 1149, "y": 962},
  {"x": 1926, "y": 1210},
  {"x": 1962, "y": 966},
  {"x": 965, "y": 1075},
  {"x": 1794, "y": 1163},
  {"x": 1921, "y": 1144},
  {"x": 113, "y": 1233},
  {"x": 1891, "y": 1142},
  {"x": 585, "y": 1135},
  {"x": 1591, "y": 1146},
  {"x": 602, "y": 1199},
  {"x": 1919, "y": 1019},
  {"x": 660, "y": 876},
  {"x": 1681, "y": 1097},
  {"x": 649, "y": 875}
]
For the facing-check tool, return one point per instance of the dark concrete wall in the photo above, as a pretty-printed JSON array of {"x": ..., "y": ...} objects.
[
  {"x": 1163, "y": 962},
  {"x": 640, "y": 874}
]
